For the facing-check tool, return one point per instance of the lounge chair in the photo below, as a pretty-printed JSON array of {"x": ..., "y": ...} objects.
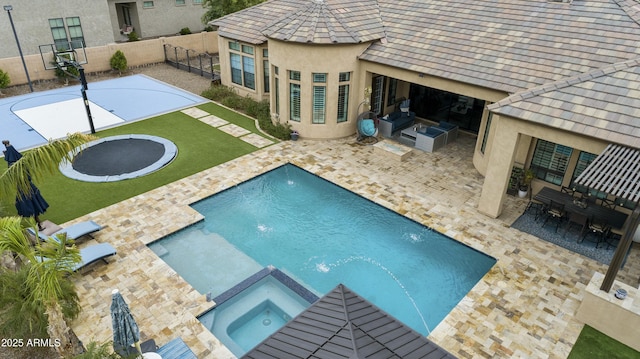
[
  {"x": 94, "y": 253},
  {"x": 91, "y": 254},
  {"x": 74, "y": 231}
]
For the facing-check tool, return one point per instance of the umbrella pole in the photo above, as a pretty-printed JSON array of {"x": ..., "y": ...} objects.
[{"x": 137, "y": 344}]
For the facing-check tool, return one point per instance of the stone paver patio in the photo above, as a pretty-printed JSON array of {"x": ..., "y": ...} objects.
[{"x": 524, "y": 307}]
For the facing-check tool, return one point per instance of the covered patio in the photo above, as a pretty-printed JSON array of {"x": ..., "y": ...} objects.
[{"x": 610, "y": 305}]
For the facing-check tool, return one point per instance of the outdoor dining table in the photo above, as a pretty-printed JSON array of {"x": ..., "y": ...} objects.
[{"x": 615, "y": 219}]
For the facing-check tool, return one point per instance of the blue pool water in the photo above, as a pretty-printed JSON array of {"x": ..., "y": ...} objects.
[{"x": 322, "y": 235}]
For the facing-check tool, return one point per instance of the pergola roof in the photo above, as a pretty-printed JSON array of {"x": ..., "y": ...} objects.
[
  {"x": 344, "y": 325},
  {"x": 615, "y": 171}
]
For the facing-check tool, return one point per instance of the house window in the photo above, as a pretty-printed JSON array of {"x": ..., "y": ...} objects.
[
  {"x": 147, "y": 4},
  {"x": 236, "y": 69},
  {"x": 75, "y": 32},
  {"x": 265, "y": 69},
  {"x": 276, "y": 82},
  {"x": 550, "y": 161},
  {"x": 294, "y": 110},
  {"x": 294, "y": 96},
  {"x": 485, "y": 136},
  {"x": 249, "y": 72},
  {"x": 59, "y": 34},
  {"x": 247, "y": 49},
  {"x": 265, "y": 74},
  {"x": 319, "y": 103},
  {"x": 319, "y": 97},
  {"x": 197, "y": 2},
  {"x": 391, "y": 96},
  {"x": 243, "y": 70},
  {"x": 180, "y": 2},
  {"x": 343, "y": 96},
  {"x": 377, "y": 94}
]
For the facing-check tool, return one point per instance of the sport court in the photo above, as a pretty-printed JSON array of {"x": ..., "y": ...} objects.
[{"x": 33, "y": 119}]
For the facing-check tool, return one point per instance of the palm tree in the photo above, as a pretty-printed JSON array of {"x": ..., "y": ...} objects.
[
  {"x": 36, "y": 164},
  {"x": 46, "y": 266},
  {"x": 44, "y": 271}
]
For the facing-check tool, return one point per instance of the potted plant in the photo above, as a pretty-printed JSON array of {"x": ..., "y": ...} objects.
[
  {"x": 294, "y": 135},
  {"x": 525, "y": 182}
]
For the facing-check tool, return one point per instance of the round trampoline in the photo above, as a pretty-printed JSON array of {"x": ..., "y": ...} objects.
[{"x": 117, "y": 158}]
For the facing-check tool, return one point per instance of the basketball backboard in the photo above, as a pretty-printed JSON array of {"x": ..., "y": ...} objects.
[{"x": 57, "y": 56}]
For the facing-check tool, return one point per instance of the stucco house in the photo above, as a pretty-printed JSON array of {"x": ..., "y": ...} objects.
[
  {"x": 94, "y": 23},
  {"x": 543, "y": 84}
]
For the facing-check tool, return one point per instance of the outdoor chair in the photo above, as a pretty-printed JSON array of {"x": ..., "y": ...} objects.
[
  {"x": 607, "y": 203},
  {"x": 74, "y": 231},
  {"x": 578, "y": 219},
  {"x": 91, "y": 254},
  {"x": 556, "y": 213},
  {"x": 537, "y": 208},
  {"x": 599, "y": 228},
  {"x": 567, "y": 190}
]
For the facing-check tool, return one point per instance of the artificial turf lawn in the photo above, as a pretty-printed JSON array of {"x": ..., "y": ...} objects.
[
  {"x": 592, "y": 344},
  {"x": 200, "y": 146}
]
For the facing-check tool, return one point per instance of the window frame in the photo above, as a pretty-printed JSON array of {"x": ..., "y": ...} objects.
[
  {"x": 344, "y": 87},
  {"x": 550, "y": 161},
  {"x": 295, "y": 96}
]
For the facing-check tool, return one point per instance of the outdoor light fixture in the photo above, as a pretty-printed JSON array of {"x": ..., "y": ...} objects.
[{"x": 8, "y": 9}]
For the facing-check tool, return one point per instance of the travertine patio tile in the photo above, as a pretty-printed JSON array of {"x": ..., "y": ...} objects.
[
  {"x": 234, "y": 130},
  {"x": 523, "y": 307},
  {"x": 256, "y": 140},
  {"x": 195, "y": 112},
  {"x": 213, "y": 120}
]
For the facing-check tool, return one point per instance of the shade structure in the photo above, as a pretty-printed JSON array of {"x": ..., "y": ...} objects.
[
  {"x": 125, "y": 330},
  {"x": 31, "y": 204},
  {"x": 11, "y": 155}
]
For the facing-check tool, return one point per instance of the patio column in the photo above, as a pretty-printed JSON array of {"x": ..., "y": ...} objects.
[
  {"x": 628, "y": 231},
  {"x": 496, "y": 180}
]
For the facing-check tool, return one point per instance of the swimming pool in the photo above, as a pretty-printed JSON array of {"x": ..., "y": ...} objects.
[{"x": 321, "y": 235}]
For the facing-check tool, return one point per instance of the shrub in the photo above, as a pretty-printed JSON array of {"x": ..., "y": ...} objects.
[
  {"x": 133, "y": 36},
  {"x": 4, "y": 79},
  {"x": 118, "y": 61},
  {"x": 185, "y": 31},
  {"x": 208, "y": 28},
  {"x": 260, "y": 110}
]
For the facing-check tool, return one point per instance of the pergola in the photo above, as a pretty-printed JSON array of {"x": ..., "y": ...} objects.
[{"x": 616, "y": 171}]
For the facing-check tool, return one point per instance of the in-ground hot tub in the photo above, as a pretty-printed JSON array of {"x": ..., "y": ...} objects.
[{"x": 248, "y": 313}]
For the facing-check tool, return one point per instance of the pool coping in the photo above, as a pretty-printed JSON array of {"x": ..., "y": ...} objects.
[{"x": 269, "y": 270}]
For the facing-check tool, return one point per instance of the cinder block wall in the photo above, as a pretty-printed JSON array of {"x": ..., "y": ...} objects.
[{"x": 138, "y": 53}]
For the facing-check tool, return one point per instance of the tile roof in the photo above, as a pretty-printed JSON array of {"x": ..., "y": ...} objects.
[
  {"x": 344, "y": 325},
  {"x": 602, "y": 103},
  {"x": 506, "y": 45},
  {"x": 498, "y": 44},
  {"x": 308, "y": 21},
  {"x": 329, "y": 21}
]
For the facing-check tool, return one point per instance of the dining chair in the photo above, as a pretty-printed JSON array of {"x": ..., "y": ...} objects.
[
  {"x": 597, "y": 227},
  {"x": 575, "y": 218},
  {"x": 607, "y": 203},
  {"x": 556, "y": 213},
  {"x": 537, "y": 208},
  {"x": 567, "y": 190}
]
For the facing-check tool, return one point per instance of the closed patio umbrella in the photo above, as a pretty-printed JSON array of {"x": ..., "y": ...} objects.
[
  {"x": 31, "y": 204},
  {"x": 125, "y": 329},
  {"x": 11, "y": 155}
]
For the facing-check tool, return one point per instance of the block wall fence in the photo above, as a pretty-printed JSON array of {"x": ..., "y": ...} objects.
[{"x": 138, "y": 53}]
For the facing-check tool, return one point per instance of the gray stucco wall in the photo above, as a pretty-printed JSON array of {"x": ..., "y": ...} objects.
[{"x": 99, "y": 20}]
